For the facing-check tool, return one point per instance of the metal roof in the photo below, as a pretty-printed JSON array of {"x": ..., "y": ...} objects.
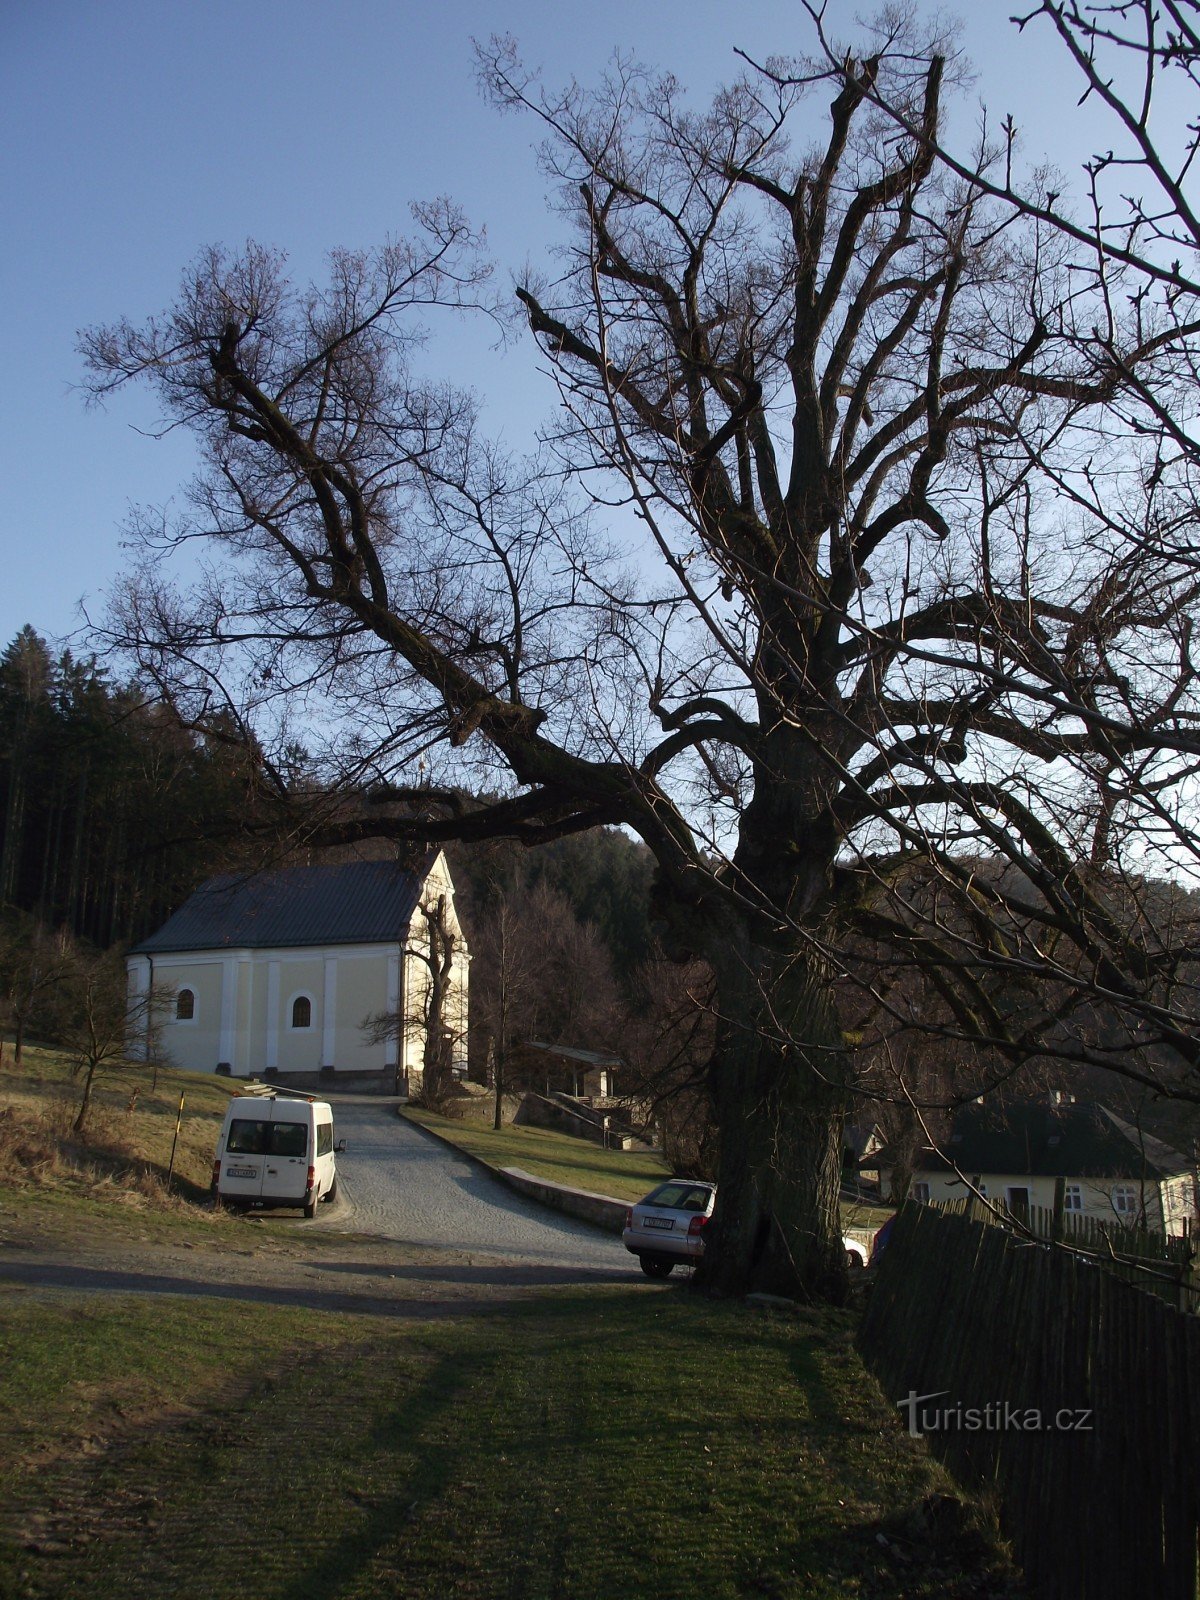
[
  {"x": 360, "y": 902},
  {"x": 589, "y": 1058}
]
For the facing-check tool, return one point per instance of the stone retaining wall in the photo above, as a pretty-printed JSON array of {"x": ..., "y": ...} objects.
[{"x": 601, "y": 1209}]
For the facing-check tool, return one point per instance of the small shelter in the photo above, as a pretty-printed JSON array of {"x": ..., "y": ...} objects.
[{"x": 592, "y": 1072}]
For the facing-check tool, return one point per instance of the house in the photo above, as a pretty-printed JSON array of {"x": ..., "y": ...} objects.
[
  {"x": 1024, "y": 1154},
  {"x": 277, "y": 972}
]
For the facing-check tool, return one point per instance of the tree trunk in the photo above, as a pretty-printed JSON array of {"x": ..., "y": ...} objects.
[
  {"x": 777, "y": 1080},
  {"x": 85, "y": 1105}
]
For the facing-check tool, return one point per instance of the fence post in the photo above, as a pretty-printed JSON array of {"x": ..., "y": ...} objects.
[{"x": 174, "y": 1143}]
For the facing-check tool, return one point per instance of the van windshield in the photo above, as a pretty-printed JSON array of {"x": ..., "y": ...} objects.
[{"x": 250, "y": 1137}]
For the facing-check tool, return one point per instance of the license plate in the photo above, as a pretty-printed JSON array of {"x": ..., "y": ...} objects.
[
  {"x": 241, "y": 1172},
  {"x": 659, "y": 1222}
]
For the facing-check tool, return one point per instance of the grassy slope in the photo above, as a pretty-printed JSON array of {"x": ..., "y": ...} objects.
[
  {"x": 626, "y": 1175},
  {"x": 557, "y": 1157},
  {"x": 603, "y": 1444},
  {"x": 131, "y": 1123}
]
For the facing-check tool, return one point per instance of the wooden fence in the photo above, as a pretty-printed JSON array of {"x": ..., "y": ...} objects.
[
  {"x": 1101, "y": 1499},
  {"x": 1162, "y": 1263}
]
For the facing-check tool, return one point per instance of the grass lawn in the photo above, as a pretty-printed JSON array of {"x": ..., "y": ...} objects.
[
  {"x": 603, "y": 1444},
  {"x": 557, "y": 1157}
]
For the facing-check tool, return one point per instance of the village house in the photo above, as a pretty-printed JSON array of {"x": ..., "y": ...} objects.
[
  {"x": 276, "y": 973},
  {"x": 1029, "y": 1154}
]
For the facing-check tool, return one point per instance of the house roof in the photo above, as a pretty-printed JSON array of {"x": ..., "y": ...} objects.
[
  {"x": 358, "y": 902},
  {"x": 1070, "y": 1140}
]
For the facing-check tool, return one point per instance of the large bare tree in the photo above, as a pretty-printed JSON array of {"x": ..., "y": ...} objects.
[{"x": 793, "y": 589}]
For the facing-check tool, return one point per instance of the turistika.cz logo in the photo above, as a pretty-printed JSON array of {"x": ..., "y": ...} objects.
[{"x": 998, "y": 1416}]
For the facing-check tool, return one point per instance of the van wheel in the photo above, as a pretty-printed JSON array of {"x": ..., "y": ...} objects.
[
  {"x": 310, "y": 1207},
  {"x": 332, "y": 1194},
  {"x": 656, "y": 1266}
]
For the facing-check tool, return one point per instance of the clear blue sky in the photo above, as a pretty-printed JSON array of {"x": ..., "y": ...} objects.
[{"x": 133, "y": 132}]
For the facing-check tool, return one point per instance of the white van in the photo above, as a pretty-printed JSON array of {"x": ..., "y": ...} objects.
[{"x": 276, "y": 1149}]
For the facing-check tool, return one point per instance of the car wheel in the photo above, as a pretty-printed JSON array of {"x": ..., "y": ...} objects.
[
  {"x": 656, "y": 1266},
  {"x": 332, "y": 1192},
  {"x": 310, "y": 1207},
  {"x": 854, "y": 1262}
]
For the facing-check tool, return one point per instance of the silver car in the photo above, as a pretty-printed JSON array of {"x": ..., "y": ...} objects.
[{"x": 667, "y": 1227}]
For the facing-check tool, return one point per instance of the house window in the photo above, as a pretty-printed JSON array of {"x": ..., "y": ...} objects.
[
  {"x": 302, "y": 1012},
  {"x": 185, "y": 1006},
  {"x": 920, "y": 1193},
  {"x": 1125, "y": 1202},
  {"x": 1073, "y": 1197}
]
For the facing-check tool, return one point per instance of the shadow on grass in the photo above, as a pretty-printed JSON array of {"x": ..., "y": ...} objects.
[
  {"x": 110, "y": 1281},
  {"x": 615, "y": 1443},
  {"x": 501, "y": 1275}
]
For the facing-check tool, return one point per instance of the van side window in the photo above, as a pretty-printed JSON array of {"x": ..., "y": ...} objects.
[
  {"x": 324, "y": 1138},
  {"x": 288, "y": 1139}
]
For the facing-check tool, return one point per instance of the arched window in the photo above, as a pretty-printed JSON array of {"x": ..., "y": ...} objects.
[
  {"x": 185, "y": 1006},
  {"x": 301, "y": 1012}
]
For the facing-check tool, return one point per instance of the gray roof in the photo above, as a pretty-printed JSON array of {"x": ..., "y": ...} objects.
[
  {"x": 587, "y": 1058},
  {"x": 360, "y": 902}
]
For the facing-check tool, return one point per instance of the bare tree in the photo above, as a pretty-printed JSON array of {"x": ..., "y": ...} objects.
[
  {"x": 506, "y": 975},
  {"x": 436, "y": 954},
  {"x": 797, "y": 590},
  {"x": 540, "y": 973},
  {"x": 669, "y": 1048},
  {"x": 97, "y": 1019},
  {"x": 435, "y": 1011},
  {"x": 34, "y": 962}
]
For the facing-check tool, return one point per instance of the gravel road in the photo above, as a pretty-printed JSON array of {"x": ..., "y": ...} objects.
[{"x": 400, "y": 1183}]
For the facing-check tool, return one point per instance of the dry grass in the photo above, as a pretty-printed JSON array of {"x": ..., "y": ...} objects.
[
  {"x": 38, "y": 1150},
  {"x": 124, "y": 1152}
]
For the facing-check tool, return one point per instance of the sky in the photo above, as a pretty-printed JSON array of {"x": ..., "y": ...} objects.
[{"x": 135, "y": 132}]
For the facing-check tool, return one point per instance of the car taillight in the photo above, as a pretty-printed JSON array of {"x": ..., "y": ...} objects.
[
  {"x": 216, "y": 1172},
  {"x": 312, "y": 1178},
  {"x": 697, "y": 1224},
  {"x": 629, "y": 1216}
]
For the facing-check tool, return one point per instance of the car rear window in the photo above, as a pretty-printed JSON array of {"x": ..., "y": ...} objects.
[
  {"x": 680, "y": 1197},
  {"x": 250, "y": 1137},
  {"x": 288, "y": 1139},
  {"x": 247, "y": 1137}
]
